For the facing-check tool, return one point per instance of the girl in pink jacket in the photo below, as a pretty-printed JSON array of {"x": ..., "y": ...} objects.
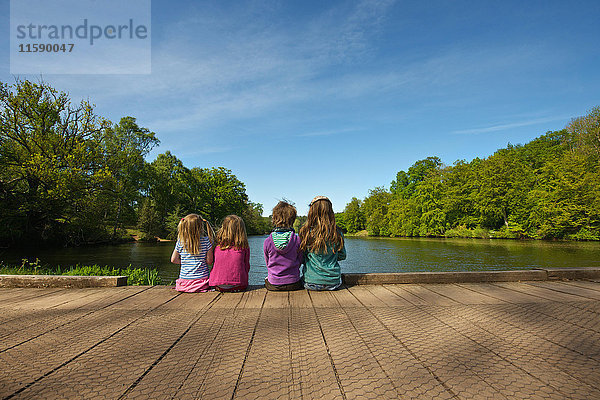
[{"x": 232, "y": 257}]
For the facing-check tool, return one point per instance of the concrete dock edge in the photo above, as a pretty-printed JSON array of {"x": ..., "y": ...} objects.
[
  {"x": 46, "y": 281},
  {"x": 470, "y": 276},
  {"x": 573, "y": 273}
]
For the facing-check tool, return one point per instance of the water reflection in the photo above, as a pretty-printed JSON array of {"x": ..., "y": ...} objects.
[{"x": 364, "y": 255}]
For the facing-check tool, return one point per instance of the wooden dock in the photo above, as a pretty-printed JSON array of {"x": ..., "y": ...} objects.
[{"x": 527, "y": 340}]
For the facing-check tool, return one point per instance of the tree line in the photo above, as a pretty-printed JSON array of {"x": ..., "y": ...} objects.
[
  {"x": 548, "y": 188},
  {"x": 69, "y": 176}
]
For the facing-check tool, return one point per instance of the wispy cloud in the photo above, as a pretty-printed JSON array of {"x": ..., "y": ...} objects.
[
  {"x": 328, "y": 132},
  {"x": 242, "y": 65},
  {"x": 505, "y": 126},
  {"x": 246, "y": 66}
]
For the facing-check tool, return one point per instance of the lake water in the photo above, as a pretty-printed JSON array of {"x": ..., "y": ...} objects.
[{"x": 364, "y": 255}]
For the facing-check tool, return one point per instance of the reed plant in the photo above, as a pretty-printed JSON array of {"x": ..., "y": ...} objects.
[{"x": 135, "y": 276}]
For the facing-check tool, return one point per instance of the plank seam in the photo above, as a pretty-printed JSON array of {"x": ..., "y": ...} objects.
[
  {"x": 163, "y": 355},
  {"x": 399, "y": 295},
  {"x": 437, "y": 378},
  {"x": 366, "y": 342},
  {"x": 84, "y": 352},
  {"x": 506, "y": 341},
  {"x": 239, "y": 378},
  {"x": 563, "y": 291},
  {"x": 335, "y": 372},
  {"x": 71, "y": 321}
]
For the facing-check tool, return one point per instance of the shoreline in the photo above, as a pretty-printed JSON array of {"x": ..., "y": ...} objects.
[{"x": 366, "y": 236}]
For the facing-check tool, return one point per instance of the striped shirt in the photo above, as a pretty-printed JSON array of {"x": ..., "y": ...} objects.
[
  {"x": 281, "y": 239},
  {"x": 193, "y": 266}
]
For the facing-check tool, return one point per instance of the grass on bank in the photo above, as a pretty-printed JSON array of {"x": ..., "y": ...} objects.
[
  {"x": 135, "y": 276},
  {"x": 512, "y": 231}
]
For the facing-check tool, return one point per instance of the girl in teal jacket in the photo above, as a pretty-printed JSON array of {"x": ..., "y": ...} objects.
[{"x": 323, "y": 245}]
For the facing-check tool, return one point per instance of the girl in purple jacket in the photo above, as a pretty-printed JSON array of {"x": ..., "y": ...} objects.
[{"x": 282, "y": 250}]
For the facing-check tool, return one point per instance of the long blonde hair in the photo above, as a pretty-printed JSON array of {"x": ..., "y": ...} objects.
[
  {"x": 320, "y": 228},
  {"x": 232, "y": 233},
  {"x": 189, "y": 231}
]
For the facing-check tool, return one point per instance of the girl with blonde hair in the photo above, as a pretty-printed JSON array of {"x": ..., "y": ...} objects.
[
  {"x": 323, "y": 245},
  {"x": 194, "y": 252},
  {"x": 232, "y": 256}
]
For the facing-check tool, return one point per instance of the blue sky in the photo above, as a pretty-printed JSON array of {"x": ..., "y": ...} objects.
[{"x": 300, "y": 98}]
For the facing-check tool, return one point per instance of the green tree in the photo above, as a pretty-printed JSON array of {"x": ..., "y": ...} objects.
[
  {"x": 125, "y": 147},
  {"x": 375, "y": 207},
  {"x": 406, "y": 182},
  {"x": 255, "y": 222},
  {"x": 225, "y": 193},
  {"x": 150, "y": 222},
  {"x": 585, "y": 133},
  {"x": 354, "y": 218},
  {"x": 504, "y": 181},
  {"x": 51, "y": 165}
]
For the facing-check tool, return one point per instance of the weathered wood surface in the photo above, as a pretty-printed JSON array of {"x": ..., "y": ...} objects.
[{"x": 443, "y": 341}]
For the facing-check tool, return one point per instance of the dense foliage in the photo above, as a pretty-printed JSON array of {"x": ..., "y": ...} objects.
[
  {"x": 548, "y": 188},
  {"x": 69, "y": 176}
]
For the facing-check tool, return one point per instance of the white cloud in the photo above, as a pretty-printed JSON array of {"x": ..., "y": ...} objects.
[
  {"x": 328, "y": 132},
  {"x": 505, "y": 126}
]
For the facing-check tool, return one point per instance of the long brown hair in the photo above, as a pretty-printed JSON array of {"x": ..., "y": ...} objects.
[
  {"x": 320, "y": 228},
  {"x": 189, "y": 231},
  {"x": 232, "y": 233}
]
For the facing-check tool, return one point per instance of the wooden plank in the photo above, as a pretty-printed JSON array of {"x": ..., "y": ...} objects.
[
  {"x": 148, "y": 299},
  {"x": 191, "y": 302},
  {"x": 100, "y": 297},
  {"x": 72, "y": 299},
  {"x": 501, "y": 293},
  {"x": 40, "y": 321},
  {"x": 211, "y": 352},
  {"x": 99, "y": 373},
  {"x": 300, "y": 299},
  {"x": 322, "y": 299},
  {"x": 28, "y": 294},
  {"x": 574, "y": 290},
  {"x": 357, "y": 369},
  {"x": 586, "y": 284},
  {"x": 543, "y": 293},
  {"x": 253, "y": 298},
  {"x": 366, "y": 297},
  {"x": 35, "y": 357},
  {"x": 228, "y": 300},
  {"x": 11, "y": 293},
  {"x": 431, "y": 297},
  {"x": 345, "y": 299},
  {"x": 463, "y": 295},
  {"x": 400, "y": 290},
  {"x": 389, "y": 298},
  {"x": 277, "y": 300},
  {"x": 48, "y": 301}
]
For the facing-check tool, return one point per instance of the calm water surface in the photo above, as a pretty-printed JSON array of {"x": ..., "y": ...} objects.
[{"x": 364, "y": 255}]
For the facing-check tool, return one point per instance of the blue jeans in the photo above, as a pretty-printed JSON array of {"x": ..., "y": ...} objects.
[{"x": 317, "y": 286}]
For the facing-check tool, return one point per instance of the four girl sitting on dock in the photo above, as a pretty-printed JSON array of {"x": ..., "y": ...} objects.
[{"x": 317, "y": 249}]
